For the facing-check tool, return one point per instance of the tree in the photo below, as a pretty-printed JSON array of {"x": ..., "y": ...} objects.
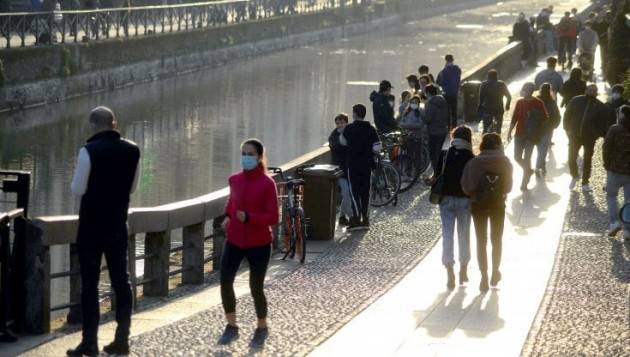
[{"x": 618, "y": 45}]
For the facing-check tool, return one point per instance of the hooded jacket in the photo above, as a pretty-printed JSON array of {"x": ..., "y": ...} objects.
[
  {"x": 616, "y": 148},
  {"x": 580, "y": 123},
  {"x": 436, "y": 115},
  {"x": 488, "y": 161},
  {"x": 254, "y": 193},
  {"x": 383, "y": 113}
]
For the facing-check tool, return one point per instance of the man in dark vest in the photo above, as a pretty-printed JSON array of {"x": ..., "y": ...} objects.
[{"x": 105, "y": 176}]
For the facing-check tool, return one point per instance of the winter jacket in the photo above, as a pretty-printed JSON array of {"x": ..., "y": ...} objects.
[
  {"x": 383, "y": 113},
  {"x": 616, "y": 148},
  {"x": 587, "y": 41},
  {"x": 491, "y": 94},
  {"x": 413, "y": 120},
  {"x": 436, "y": 114},
  {"x": 449, "y": 78},
  {"x": 360, "y": 137},
  {"x": 567, "y": 28},
  {"x": 520, "y": 31},
  {"x": 590, "y": 125},
  {"x": 571, "y": 89},
  {"x": 613, "y": 105},
  {"x": 254, "y": 193},
  {"x": 549, "y": 76},
  {"x": 554, "y": 114},
  {"x": 488, "y": 161},
  {"x": 522, "y": 111},
  {"x": 457, "y": 156},
  {"x": 338, "y": 152}
]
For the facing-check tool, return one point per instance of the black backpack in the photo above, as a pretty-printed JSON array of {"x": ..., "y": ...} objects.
[
  {"x": 489, "y": 193},
  {"x": 535, "y": 127}
]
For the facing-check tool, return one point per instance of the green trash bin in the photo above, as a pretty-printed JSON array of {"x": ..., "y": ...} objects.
[
  {"x": 320, "y": 200},
  {"x": 470, "y": 92}
]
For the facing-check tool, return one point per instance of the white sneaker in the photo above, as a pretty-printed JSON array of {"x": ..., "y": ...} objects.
[
  {"x": 613, "y": 229},
  {"x": 587, "y": 188},
  {"x": 572, "y": 184}
]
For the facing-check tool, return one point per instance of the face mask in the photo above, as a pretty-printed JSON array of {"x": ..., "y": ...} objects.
[
  {"x": 248, "y": 163},
  {"x": 413, "y": 106},
  {"x": 615, "y": 96}
]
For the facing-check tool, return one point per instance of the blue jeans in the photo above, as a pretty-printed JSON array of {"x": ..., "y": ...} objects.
[
  {"x": 345, "y": 208},
  {"x": 542, "y": 147},
  {"x": 549, "y": 41},
  {"x": 613, "y": 183},
  {"x": 455, "y": 209}
]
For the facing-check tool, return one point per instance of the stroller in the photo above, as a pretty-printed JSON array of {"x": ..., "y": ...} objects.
[{"x": 585, "y": 62}]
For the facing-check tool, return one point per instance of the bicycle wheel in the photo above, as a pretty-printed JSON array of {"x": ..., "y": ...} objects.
[
  {"x": 300, "y": 241},
  {"x": 408, "y": 171},
  {"x": 385, "y": 185},
  {"x": 423, "y": 161}
]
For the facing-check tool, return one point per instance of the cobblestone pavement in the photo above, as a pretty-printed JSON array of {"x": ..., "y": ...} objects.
[
  {"x": 586, "y": 312},
  {"x": 313, "y": 302}
]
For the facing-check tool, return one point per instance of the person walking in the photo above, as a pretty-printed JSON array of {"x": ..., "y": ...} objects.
[
  {"x": 587, "y": 43},
  {"x": 339, "y": 155},
  {"x": 542, "y": 147},
  {"x": 437, "y": 121},
  {"x": 449, "y": 79},
  {"x": 250, "y": 212},
  {"x": 521, "y": 32},
  {"x": 529, "y": 119},
  {"x": 616, "y": 151},
  {"x": 362, "y": 141},
  {"x": 487, "y": 179},
  {"x": 566, "y": 30},
  {"x": 584, "y": 121},
  {"x": 491, "y": 108},
  {"x": 543, "y": 23},
  {"x": 106, "y": 174},
  {"x": 601, "y": 26},
  {"x": 549, "y": 75},
  {"x": 455, "y": 205},
  {"x": 615, "y": 102},
  {"x": 382, "y": 110},
  {"x": 573, "y": 87}
]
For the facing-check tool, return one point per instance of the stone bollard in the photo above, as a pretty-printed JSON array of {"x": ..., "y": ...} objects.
[
  {"x": 156, "y": 265},
  {"x": 193, "y": 254},
  {"x": 37, "y": 282}
]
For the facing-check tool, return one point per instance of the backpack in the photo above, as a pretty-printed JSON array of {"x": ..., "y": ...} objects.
[
  {"x": 489, "y": 193},
  {"x": 535, "y": 125}
]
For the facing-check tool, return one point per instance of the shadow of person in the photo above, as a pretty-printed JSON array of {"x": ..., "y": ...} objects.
[
  {"x": 450, "y": 310},
  {"x": 485, "y": 318},
  {"x": 542, "y": 198}
]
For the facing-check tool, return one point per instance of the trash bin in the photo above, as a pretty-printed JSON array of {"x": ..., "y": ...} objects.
[
  {"x": 470, "y": 92},
  {"x": 320, "y": 200}
]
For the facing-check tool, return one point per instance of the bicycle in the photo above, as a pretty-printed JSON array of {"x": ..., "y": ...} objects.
[
  {"x": 292, "y": 229},
  {"x": 409, "y": 163},
  {"x": 385, "y": 183}
]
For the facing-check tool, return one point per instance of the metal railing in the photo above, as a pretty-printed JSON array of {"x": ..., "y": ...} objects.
[{"x": 43, "y": 28}]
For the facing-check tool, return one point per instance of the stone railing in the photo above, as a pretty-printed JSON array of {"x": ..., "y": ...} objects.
[{"x": 157, "y": 225}]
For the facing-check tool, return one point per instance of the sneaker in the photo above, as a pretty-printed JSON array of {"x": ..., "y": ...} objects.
[
  {"x": 117, "y": 348},
  {"x": 260, "y": 336},
  {"x": 83, "y": 349},
  {"x": 573, "y": 183},
  {"x": 613, "y": 229},
  {"x": 355, "y": 224},
  {"x": 343, "y": 221},
  {"x": 587, "y": 188},
  {"x": 229, "y": 335},
  {"x": 365, "y": 224}
]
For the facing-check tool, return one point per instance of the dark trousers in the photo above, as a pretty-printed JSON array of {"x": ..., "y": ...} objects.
[
  {"x": 451, "y": 101},
  {"x": 360, "y": 179},
  {"x": 566, "y": 49},
  {"x": 574, "y": 148},
  {"x": 435, "y": 148},
  {"x": 258, "y": 260},
  {"x": 495, "y": 217},
  {"x": 91, "y": 247},
  {"x": 488, "y": 120}
]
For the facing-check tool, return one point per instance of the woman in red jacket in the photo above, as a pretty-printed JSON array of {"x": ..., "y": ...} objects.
[{"x": 251, "y": 210}]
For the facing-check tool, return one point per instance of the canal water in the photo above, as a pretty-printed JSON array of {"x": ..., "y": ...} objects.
[{"x": 189, "y": 127}]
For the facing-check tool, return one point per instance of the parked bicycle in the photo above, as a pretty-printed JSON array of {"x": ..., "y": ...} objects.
[
  {"x": 293, "y": 228},
  {"x": 408, "y": 155},
  {"x": 385, "y": 183}
]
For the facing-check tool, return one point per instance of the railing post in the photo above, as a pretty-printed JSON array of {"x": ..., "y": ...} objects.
[
  {"x": 218, "y": 242},
  {"x": 37, "y": 282},
  {"x": 74, "y": 315},
  {"x": 131, "y": 262},
  {"x": 157, "y": 245},
  {"x": 5, "y": 292},
  {"x": 193, "y": 254}
]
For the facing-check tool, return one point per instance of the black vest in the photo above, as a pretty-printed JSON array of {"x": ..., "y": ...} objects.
[{"x": 113, "y": 166}]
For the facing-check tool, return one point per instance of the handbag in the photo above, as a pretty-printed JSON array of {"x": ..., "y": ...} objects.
[{"x": 438, "y": 186}]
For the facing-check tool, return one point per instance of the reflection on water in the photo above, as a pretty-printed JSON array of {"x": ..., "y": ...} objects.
[{"x": 189, "y": 127}]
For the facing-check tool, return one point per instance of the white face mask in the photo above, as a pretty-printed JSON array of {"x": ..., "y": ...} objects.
[
  {"x": 413, "y": 106},
  {"x": 616, "y": 96}
]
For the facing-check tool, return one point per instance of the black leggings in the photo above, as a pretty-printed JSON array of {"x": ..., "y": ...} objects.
[
  {"x": 496, "y": 218},
  {"x": 258, "y": 259}
]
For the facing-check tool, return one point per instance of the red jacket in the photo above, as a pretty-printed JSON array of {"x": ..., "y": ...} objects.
[
  {"x": 254, "y": 193},
  {"x": 521, "y": 111}
]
